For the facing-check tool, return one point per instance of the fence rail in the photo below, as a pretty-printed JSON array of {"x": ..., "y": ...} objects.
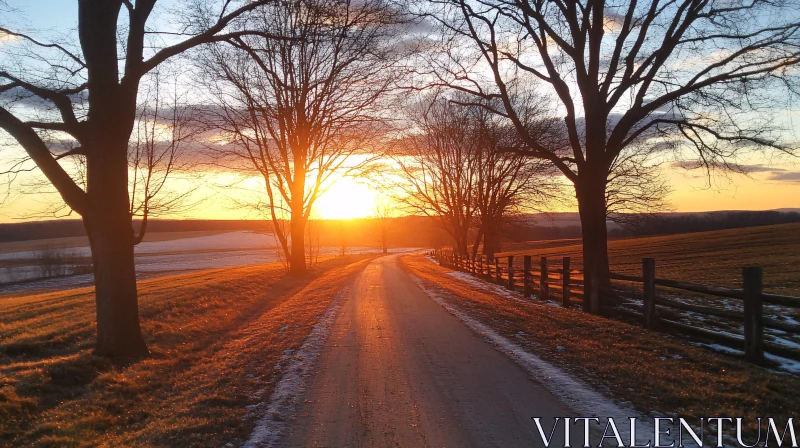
[{"x": 643, "y": 302}]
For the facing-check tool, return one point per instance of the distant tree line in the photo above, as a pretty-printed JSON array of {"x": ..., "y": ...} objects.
[
  {"x": 662, "y": 224},
  {"x": 63, "y": 228}
]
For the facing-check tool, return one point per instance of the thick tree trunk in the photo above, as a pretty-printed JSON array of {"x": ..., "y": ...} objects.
[
  {"x": 462, "y": 244},
  {"x": 591, "y": 196},
  {"x": 107, "y": 218},
  {"x": 460, "y": 234},
  {"x": 118, "y": 330},
  {"x": 297, "y": 222},
  {"x": 110, "y": 229},
  {"x": 297, "y": 261},
  {"x": 490, "y": 242},
  {"x": 478, "y": 239}
]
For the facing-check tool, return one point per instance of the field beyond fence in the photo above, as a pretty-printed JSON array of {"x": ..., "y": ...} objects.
[{"x": 735, "y": 316}]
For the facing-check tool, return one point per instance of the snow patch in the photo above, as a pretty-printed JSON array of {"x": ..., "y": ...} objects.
[
  {"x": 499, "y": 290},
  {"x": 786, "y": 364},
  {"x": 296, "y": 366},
  {"x": 488, "y": 287},
  {"x": 574, "y": 394}
]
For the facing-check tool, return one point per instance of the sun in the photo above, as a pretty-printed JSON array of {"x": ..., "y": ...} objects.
[{"x": 347, "y": 198}]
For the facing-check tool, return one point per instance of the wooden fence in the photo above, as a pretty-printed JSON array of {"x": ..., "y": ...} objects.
[{"x": 637, "y": 297}]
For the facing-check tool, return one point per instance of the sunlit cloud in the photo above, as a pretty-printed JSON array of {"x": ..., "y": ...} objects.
[
  {"x": 613, "y": 22},
  {"x": 5, "y": 37},
  {"x": 221, "y": 139}
]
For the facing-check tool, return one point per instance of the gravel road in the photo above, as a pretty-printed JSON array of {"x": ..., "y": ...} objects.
[{"x": 398, "y": 370}]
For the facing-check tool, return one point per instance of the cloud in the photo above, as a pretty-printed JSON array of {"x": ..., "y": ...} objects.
[
  {"x": 5, "y": 37},
  {"x": 785, "y": 176},
  {"x": 773, "y": 174},
  {"x": 20, "y": 96},
  {"x": 613, "y": 22}
]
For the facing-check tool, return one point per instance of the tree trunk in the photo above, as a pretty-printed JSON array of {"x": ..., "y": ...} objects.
[
  {"x": 462, "y": 244},
  {"x": 490, "y": 241},
  {"x": 478, "y": 238},
  {"x": 297, "y": 262},
  {"x": 297, "y": 224},
  {"x": 109, "y": 226},
  {"x": 591, "y": 194}
]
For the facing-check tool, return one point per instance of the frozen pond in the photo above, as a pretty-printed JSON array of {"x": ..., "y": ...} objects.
[{"x": 21, "y": 271}]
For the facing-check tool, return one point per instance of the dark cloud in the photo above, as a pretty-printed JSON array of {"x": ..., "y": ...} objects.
[
  {"x": 785, "y": 176},
  {"x": 23, "y": 97},
  {"x": 773, "y": 174}
]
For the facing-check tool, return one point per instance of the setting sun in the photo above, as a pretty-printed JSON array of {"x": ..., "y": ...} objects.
[{"x": 346, "y": 199}]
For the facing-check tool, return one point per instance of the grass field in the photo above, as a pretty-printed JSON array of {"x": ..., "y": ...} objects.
[
  {"x": 215, "y": 338},
  {"x": 710, "y": 258},
  {"x": 658, "y": 374}
]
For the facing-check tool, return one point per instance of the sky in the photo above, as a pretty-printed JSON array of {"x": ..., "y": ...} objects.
[{"x": 770, "y": 183}]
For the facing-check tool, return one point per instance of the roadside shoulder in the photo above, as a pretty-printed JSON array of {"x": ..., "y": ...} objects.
[{"x": 653, "y": 373}]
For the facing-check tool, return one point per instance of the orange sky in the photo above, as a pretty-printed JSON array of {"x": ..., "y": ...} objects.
[{"x": 352, "y": 198}]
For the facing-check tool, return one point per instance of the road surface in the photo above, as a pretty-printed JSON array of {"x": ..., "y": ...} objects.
[{"x": 400, "y": 371}]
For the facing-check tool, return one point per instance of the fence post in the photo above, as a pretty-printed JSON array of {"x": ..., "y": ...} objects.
[
  {"x": 527, "y": 291},
  {"x": 544, "y": 293},
  {"x": 498, "y": 274},
  {"x": 565, "y": 299},
  {"x": 649, "y": 290},
  {"x": 752, "y": 283},
  {"x": 511, "y": 272}
]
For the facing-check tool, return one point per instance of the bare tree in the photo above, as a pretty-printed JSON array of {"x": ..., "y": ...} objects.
[
  {"x": 382, "y": 214},
  {"x": 343, "y": 237},
  {"x": 508, "y": 183},
  {"x": 710, "y": 72},
  {"x": 313, "y": 230},
  {"x": 88, "y": 91},
  {"x": 300, "y": 104},
  {"x": 163, "y": 130},
  {"x": 456, "y": 167},
  {"x": 438, "y": 167},
  {"x": 636, "y": 188}
]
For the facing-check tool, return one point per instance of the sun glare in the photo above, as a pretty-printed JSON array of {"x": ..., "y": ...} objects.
[{"x": 346, "y": 199}]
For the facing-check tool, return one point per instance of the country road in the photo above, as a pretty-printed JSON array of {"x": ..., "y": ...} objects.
[{"x": 398, "y": 370}]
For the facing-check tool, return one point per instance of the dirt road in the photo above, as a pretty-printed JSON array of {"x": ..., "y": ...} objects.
[{"x": 398, "y": 370}]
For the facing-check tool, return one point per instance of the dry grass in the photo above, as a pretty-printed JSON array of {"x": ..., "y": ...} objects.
[
  {"x": 652, "y": 371},
  {"x": 215, "y": 339},
  {"x": 709, "y": 258}
]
